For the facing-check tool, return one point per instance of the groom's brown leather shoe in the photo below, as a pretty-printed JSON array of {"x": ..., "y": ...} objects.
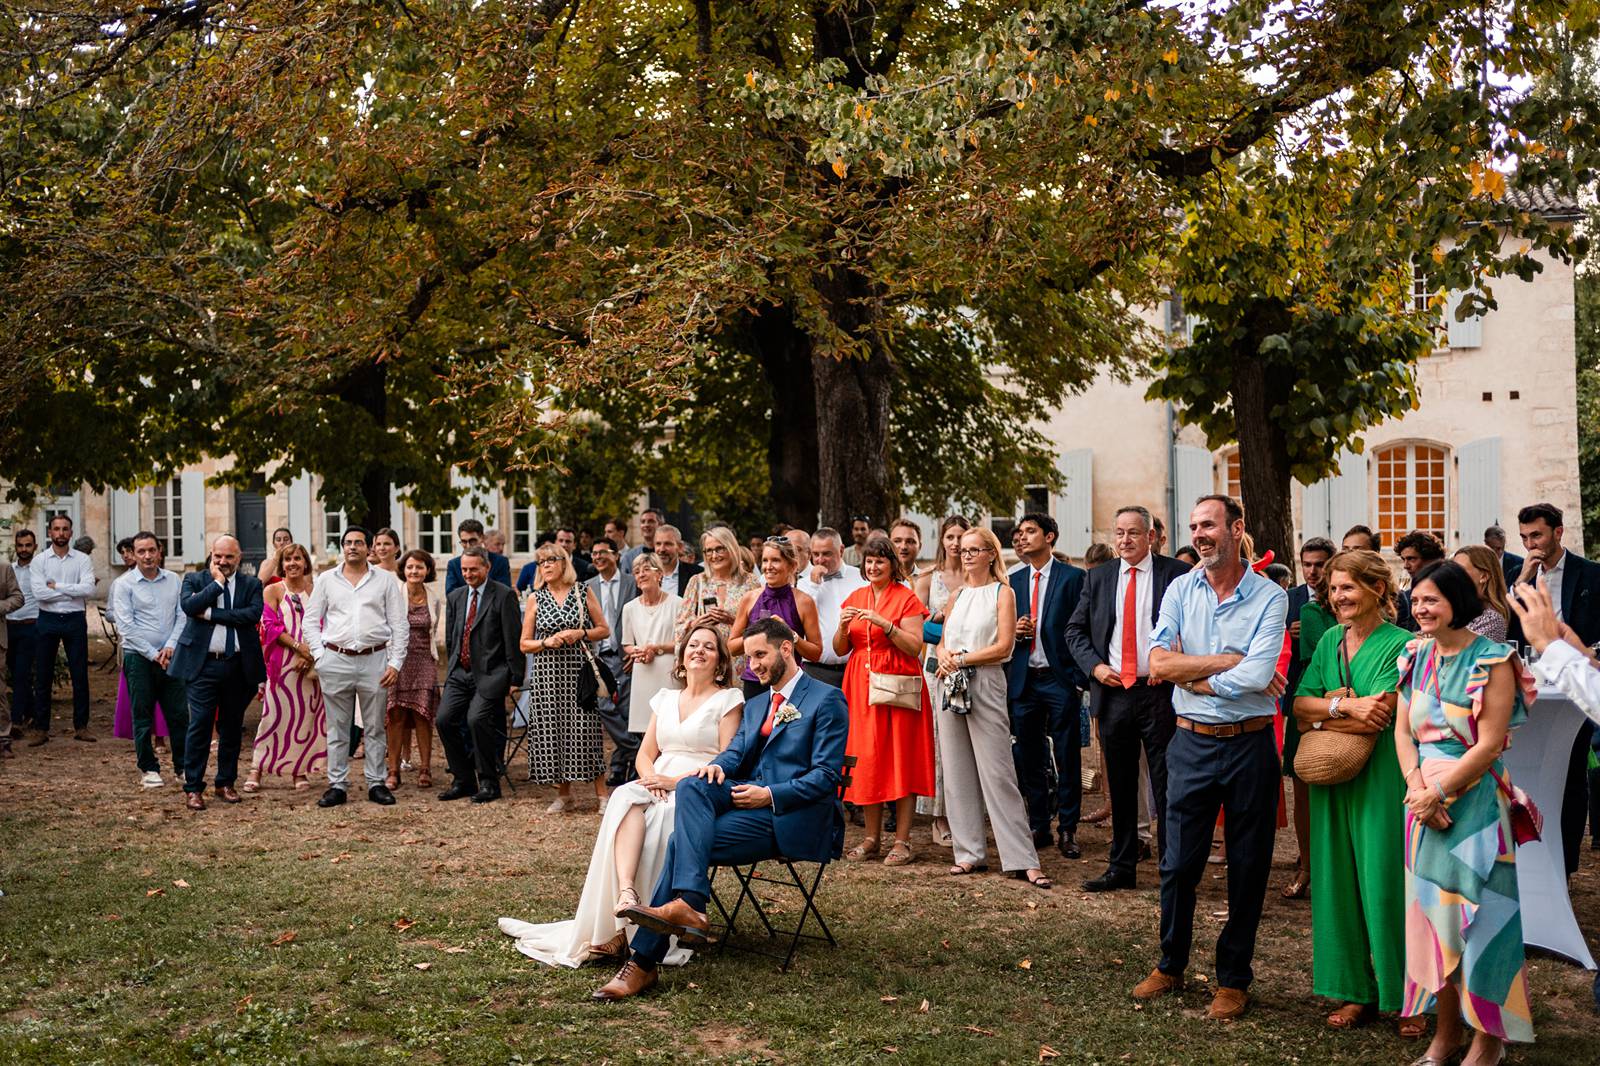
[
  {"x": 675, "y": 918},
  {"x": 630, "y": 981}
]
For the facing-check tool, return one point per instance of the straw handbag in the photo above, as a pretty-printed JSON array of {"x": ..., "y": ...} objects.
[{"x": 1325, "y": 757}]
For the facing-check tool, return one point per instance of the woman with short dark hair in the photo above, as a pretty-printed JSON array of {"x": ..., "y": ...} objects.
[{"x": 414, "y": 700}]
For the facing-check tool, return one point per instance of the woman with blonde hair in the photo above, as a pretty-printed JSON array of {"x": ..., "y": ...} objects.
[
  {"x": 980, "y": 634},
  {"x": 934, "y": 588},
  {"x": 565, "y": 741},
  {"x": 647, "y": 639},
  {"x": 712, "y": 596},
  {"x": 1483, "y": 566},
  {"x": 1349, "y": 686}
]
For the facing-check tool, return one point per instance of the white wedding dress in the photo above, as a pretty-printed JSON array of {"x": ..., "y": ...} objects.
[{"x": 686, "y": 745}]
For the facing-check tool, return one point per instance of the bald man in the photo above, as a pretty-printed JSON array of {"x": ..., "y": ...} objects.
[{"x": 219, "y": 656}]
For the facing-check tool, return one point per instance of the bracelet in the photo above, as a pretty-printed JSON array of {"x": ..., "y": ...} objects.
[
  {"x": 1443, "y": 795},
  {"x": 1333, "y": 707},
  {"x": 888, "y": 627}
]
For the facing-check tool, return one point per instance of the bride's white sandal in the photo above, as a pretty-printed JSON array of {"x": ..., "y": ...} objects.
[{"x": 625, "y": 899}]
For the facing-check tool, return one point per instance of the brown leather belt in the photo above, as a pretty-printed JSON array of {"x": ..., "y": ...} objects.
[
  {"x": 355, "y": 651},
  {"x": 1232, "y": 729}
]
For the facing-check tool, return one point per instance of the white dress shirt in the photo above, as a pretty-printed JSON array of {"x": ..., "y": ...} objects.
[
  {"x": 29, "y": 611},
  {"x": 1552, "y": 578},
  {"x": 367, "y": 614},
  {"x": 219, "y": 633},
  {"x": 1568, "y": 670},
  {"x": 1143, "y": 592},
  {"x": 1036, "y": 656},
  {"x": 73, "y": 574},
  {"x": 830, "y": 594}
]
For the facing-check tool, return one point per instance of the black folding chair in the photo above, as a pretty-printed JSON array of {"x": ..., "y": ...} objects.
[{"x": 790, "y": 877}]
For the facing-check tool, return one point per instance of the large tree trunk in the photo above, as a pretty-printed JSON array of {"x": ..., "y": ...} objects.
[
  {"x": 853, "y": 438},
  {"x": 367, "y": 389},
  {"x": 784, "y": 352},
  {"x": 1264, "y": 472}
]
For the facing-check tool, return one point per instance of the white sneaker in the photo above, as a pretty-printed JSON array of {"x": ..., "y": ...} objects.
[{"x": 152, "y": 780}]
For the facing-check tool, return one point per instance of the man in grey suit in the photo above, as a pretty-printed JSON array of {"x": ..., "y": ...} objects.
[
  {"x": 613, "y": 588},
  {"x": 483, "y": 650}
]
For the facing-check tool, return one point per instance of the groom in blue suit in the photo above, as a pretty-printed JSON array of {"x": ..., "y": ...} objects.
[{"x": 773, "y": 792}]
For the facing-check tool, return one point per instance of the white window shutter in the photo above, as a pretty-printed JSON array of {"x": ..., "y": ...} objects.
[
  {"x": 192, "y": 497},
  {"x": 300, "y": 509},
  {"x": 1192, "y": 479},
  {"x": 1347, "y": 495},
  {"x": 1075, "y": 504},
  {"x": 124, "y": 514},
  {"x": 394, "y": 508},
  {"x": 1467, "y": 333},
  {"x": 1478, "y": 489},
  {"x": 1315, "y": 515},
  {"x": 928, "y": 526}
]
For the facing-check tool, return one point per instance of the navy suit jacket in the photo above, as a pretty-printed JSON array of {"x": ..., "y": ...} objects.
[
  {"x": 1089, "y": 631},
  {"x": 1299, "y": 596},
  {"x": 499, "y": 570},
  {"x": 801, "y": 763},
  {"x": 201, "y": 593},
  {"x": 1580, "y": 600},
  {"x": 1061, "y": 591},
  {"x": 1511, "y": 566}
]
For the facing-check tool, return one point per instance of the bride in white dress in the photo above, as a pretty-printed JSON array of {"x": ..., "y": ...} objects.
[{"x": 688, "y": 728}]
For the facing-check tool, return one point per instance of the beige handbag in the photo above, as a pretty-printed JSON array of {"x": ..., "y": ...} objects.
[
  {"x": 896, "y": 690},
  {"x": 1325, "y": 757}
]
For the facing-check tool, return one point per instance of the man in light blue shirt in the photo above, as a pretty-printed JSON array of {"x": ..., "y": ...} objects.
[
  {"x": 1218, "y": 639},
  {"x": 150, "y": 619}
]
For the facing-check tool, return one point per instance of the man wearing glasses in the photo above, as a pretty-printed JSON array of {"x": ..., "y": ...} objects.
[
  {"x": 613, "y": 589},
  {"x": 469, "y": 534}
]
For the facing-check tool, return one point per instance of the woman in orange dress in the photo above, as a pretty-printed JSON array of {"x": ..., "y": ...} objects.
[{"x": 880, "y": 625}]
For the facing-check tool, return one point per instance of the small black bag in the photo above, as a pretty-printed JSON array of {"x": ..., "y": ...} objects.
[{"x": 594, "y": 677}]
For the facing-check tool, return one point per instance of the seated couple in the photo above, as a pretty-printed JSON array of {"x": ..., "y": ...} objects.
[{"x": 773, "y": 790}]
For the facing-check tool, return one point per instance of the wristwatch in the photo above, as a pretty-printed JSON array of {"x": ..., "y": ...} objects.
[{"x": 1316, "y": 725}]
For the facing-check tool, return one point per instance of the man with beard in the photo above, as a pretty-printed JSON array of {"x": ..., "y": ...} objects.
[
  {"x": 63, "y": 580},
  {"x": 1218, "y": 638}
]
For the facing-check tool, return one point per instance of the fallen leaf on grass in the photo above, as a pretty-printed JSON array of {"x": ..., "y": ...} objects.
[
  {"x": 238, "y": 1008},
  {"x": 286, "y": 938},
  {"x": 1025, "y": 964},
  {"x": 343, "y": 855},
  {"x": 945, "y": 944},
  {"x": 980, "y": 1032},
  {"x": 888, "y": 999},
  {"x": 1048, "y": 1052},
  {"x": 402, "y": 924},
  {"x": 891, "y": 1049},
  {"x": 113, "y": 917},
  {"x": 923, "y": 1007},
  {"x": 422, "y": 966},
  {"x": 1033, "y": 904},
  {"x": 455, "y": 951},
  {"x": 1116, "y": 962},
  {"x": 155, "y": 892},
  {"x": 180, "y": 883}
]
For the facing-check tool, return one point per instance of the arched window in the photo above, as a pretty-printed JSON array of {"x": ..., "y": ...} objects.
[{"x": 1411, "y": 491}]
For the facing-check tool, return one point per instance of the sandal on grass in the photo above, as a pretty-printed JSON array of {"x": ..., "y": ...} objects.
[
  {"x": 1040, "y": 882},
  {"x": 1299, "y": 888},
  {"x": 962, "y": 869},
  {"x": 253, "y": 782},
  {"x": 867, "y": 849},
  {"x": 900, "y": 854},
  {"x": 625, "y": 899},
  {"x": 1352, "y": 1015},
  {"x": 1413, "y": 1028}
]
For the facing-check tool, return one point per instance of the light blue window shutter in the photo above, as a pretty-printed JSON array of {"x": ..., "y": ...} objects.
[
  {"x": 1467, "y": 333},
  {"x": 300, "y": 509},
  {"x": 1314, "y": 510},
  {"x": 1075, "y": 504},
  {"x": 1192, "y": 479},
  {"x": 1478, "y": 489},
  {"x": 124, "y": 513},
  {"x": 1347, "y": 495},
  {"x": 192, "y": 503}
]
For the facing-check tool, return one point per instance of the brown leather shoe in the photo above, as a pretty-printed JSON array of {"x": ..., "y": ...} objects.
[
  {"x": 1158, "y": 984},
  {"x": 614, "y": 949},
  {"x": 39, "y": 736},
  {"x": 676, "y": 918},
  {"x": 84, "y": 735},
  {"x": 1228, "y": 1004},
  {"x": 195, "y": 802},
  {"x": 630, "y": 981},
  {"x": 226, "y": 794}
]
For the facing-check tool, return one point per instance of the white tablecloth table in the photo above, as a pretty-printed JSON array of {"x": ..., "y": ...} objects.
[{"x": 1537, "y": 761}]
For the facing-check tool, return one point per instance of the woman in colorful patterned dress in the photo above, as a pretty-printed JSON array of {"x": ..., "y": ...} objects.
[
  {"x": 292, "y": 736},
  {"x": 1460, "y": 695},
  {"x": 712, "y": 596}
]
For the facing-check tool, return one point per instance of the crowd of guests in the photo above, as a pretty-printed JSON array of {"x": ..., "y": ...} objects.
[{"x": 961, "y": 685}]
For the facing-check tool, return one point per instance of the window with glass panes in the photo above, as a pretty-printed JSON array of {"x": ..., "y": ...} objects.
[
  {"x": 1036, "y": 498},
  {"x": 1228, "y": 468},
  {"x": 524, "y": 527},
  {"x": 436, "y": 533},
  {"x": 334, "y": 523},
  {"x": 168, "y": 517},
  {"x": 1412, "y": 480}
]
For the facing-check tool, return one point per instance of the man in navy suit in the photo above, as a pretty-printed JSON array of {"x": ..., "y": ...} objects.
[
  {"x": 219, "y": 655},
  {"x": 1574, "y": 584},
  {"x": 1044, "y": 685},
  {"x": 469, "y": 534},
  {"x": 1510, "y": 563},
  {"x": 773, "y": 792},
  {"x": 1112, "y": 645}
]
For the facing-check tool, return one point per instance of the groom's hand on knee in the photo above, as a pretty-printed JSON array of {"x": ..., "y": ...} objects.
[{"x": 710, "y": 773}]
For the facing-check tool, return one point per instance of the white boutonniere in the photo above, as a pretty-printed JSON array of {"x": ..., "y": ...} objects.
[{"x": 785, "y": 714}]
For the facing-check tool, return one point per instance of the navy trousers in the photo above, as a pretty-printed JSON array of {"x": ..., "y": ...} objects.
[
  {"x": 217, "y": 699},
  {"x": 1239, "y": 775},
  {"x": 69, "y": 631},
  {"x": 1130, "y": 719},
  {"x": 1046, "y": 744},
  {"x": 707, "y": 831},
  {"x": 22, "y": 656}
]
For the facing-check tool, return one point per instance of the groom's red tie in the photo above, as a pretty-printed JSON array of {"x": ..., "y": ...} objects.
[{"x": 772, "y": 712}]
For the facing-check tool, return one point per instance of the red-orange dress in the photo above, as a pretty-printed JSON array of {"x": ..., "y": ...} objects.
[{"x": 893, "y": 746}]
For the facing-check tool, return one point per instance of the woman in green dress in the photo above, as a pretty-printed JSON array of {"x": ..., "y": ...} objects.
[
  {"x": 1315, "y": 620},
  {"x": 1357, "y": 913},
  {"x": 1461, "y": 694}
]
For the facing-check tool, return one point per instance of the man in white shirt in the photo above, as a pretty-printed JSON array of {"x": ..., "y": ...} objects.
[
  {"x": 150, "y": 619},
  {"x": 63, "y": 580},
  {"x": 829, "y": 581},
  {"x": 357, "y": 630},
  {"x": 22, "y": 644}
]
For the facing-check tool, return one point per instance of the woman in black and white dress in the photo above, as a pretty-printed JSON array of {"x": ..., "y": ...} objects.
[{"x": 565, "y": 741}]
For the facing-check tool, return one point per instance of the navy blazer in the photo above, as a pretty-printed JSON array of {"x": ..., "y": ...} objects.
[
  {"x": 1580, "y": 600},
  {"x": 1511, "y": 566},
  {"x": 1089, "y": 630},
  {"x": 499, "y": 570},
  {"x": 1299, "y": 596},
  {"x": 1061, "y": 592},
  {"x": 201, "y": 593},
  {"x": 801, "y": 763}
]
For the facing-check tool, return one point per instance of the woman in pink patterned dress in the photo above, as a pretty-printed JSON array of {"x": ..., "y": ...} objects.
[
  {"x": 414, "y": 700},
  {"x": 292, "y": 736}
]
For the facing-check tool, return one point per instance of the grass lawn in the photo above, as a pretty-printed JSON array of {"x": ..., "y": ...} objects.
[{"x": 134, "y": 932}]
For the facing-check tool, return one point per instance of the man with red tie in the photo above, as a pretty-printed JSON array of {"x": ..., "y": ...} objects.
[
  {"x": 483, "y": 631},
  {"x": 1109, "y": 636},
  {"x": 1044, "y": 687}
]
